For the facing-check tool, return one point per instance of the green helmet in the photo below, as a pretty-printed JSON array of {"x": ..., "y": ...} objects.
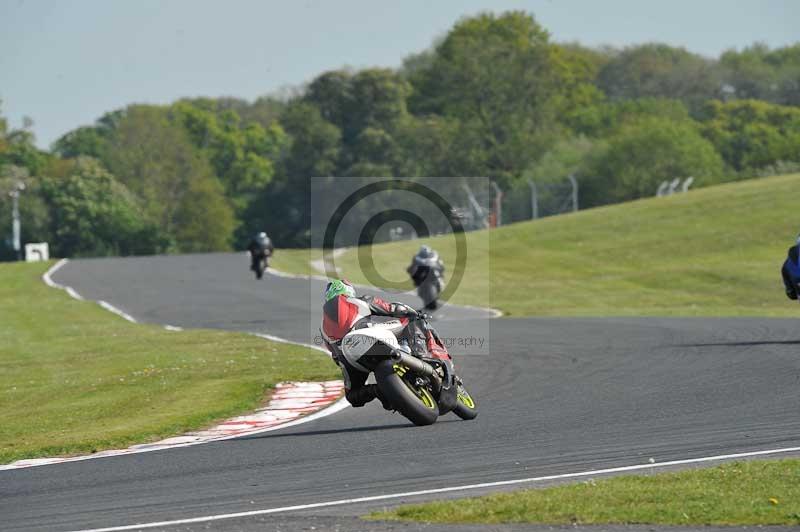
[{"x": 339, "y": 287}]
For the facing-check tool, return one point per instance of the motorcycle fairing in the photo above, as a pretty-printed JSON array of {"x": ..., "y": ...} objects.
[
  {"x": 360, "y": 345},
  {"x": 436, "y": 348}
]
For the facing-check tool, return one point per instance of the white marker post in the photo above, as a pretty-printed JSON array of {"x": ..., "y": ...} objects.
[{"x": 15, "y": 221}]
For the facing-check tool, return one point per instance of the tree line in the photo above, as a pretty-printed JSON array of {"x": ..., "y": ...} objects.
[{"x": 495, "y": 97}]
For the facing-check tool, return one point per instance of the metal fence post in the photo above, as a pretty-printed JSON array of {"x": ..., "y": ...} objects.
[
  {"x": 574, "y": 192},
  {"x": 479, "y": 213},
  {"x": 534, "y": 199},
  {"x": 498, "y": 205}
]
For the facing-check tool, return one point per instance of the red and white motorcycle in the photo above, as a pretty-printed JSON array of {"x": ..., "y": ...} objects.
[{"x": 421, "y": 387}]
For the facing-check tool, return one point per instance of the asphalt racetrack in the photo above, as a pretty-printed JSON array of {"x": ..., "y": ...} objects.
[{"x": 556, "y": 396}]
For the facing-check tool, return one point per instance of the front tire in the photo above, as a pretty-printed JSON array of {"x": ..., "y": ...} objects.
[
  {"x": 415, "y": 403},
  {"x": 465, "y": 407},
  {"x": 428, "y": 293},
  {"x": 261, "y": 265}
]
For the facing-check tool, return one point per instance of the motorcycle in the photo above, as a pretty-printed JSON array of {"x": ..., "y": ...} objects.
[
  {"x": 791, "y": 275},
  {"x": 421, "y": 388},
  {"x": 428, "y": 280},
  {"x": 261, "y": 263}
]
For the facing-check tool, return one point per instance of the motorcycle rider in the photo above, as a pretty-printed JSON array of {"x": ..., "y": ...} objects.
[
  {"x": 790, "y": 271},
  {"x": 260, "y": 246},
  {"x": 343, "y": 311},
  {"x": 424, "y": 264}
]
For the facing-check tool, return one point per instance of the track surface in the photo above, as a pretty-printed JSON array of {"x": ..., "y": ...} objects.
[{"x": 555, "y": 396}]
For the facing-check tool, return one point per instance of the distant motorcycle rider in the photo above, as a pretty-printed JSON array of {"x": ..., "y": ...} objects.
[
  {"x": 427, "y": 267},
  {"x": 343, "y": 312},
  {"x": 790, "y": 271},
  {"x": 260, "y": 247}
]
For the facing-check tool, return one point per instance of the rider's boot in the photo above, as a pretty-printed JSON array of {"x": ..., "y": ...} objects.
[
  {"x": 384, "y": 402},
  {"x": 360, "y": 396}
]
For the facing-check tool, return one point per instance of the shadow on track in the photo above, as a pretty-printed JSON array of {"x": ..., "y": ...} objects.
[{"x": 373, "y": 428}]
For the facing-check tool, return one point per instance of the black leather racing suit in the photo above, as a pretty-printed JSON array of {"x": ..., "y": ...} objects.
[
  {"x": 259, "y": 248},
  {"x": 357, "y": 392},
  {"x": 788, "y": 281}
]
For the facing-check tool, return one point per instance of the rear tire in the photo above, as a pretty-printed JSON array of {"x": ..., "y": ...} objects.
[
  {"x": 465, "y": 407},
  {"x": 417, "y": 404}
]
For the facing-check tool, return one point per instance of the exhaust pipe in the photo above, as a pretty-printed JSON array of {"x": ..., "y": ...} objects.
[{"x": 419, "y": 366}]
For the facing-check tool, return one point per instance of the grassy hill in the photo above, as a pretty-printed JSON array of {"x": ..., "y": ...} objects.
[{"x": 712, "y": 252}]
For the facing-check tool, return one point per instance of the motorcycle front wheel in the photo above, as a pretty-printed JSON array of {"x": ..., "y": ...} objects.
[
  {"x": 261, "y": 265},
  {"x": 400, "y": 389},
  {"x": 465, "y": 407}
]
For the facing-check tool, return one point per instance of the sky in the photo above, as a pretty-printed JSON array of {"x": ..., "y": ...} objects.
[{"x": 64, "y": 64}]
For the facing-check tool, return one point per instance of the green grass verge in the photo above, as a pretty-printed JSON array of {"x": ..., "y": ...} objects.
[
  {"x": 293, "y": 261},
  {"x": 74, "y": 378},
  {"x": 716, "y": 251},
  {"x": 744, "y": 493}
]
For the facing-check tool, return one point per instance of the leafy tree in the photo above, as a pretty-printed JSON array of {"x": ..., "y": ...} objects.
[
  {"x": 34, "y": 214},
  {"x": 760, "y": 73},
  {"x": 378, "y": 101},
  {"x": 502, "y": 79},
  {"x": 751, "y": 134},
  {"x": 577, "y": 68},
  {"x": 283, "y": 205},
  {"x": 155, "y": 159},
  {"x": 204, "y": 221},
  {"x": 431, "y": 146},
  {"x": 331, "y": 94},
  {"x": 568, "y": 156},
  {"x": 17, "y": 148},
  {"x": 264, "y": 111},
  {"x": 90, "y": 141},
  {"x": 606, "y": 118},
  {"x": 91, "y": 213},
  {"x": 3, "y": 131},
  {"x": 368, "y": 108},
  {"x": 375, "y": 148},
  {"x": 21, "y": 161},
  {"x": 316, "y": 143},
  {"x": 644, "y": 154},
  {"x": 493, "y": 97},
  {"x": 660, "y": 71},
  {"x": 242, "y": 156}
]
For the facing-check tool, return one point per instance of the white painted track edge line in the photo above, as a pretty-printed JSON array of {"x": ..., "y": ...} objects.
[
  {"x": 495, "y": 313},
  {"x": 341, "y": 502},
  {"x": 339, "y": 405},
  {"x": 331, "y": 409},
  {"x": 273, "y": 338},
  {"x": 50, "y": 271},
  {"x": 48, "y": 280},
  {"x": 121, "y": 313}
]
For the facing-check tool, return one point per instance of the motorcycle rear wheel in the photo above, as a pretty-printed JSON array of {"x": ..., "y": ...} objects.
[{"x": 415, "y": 402}]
